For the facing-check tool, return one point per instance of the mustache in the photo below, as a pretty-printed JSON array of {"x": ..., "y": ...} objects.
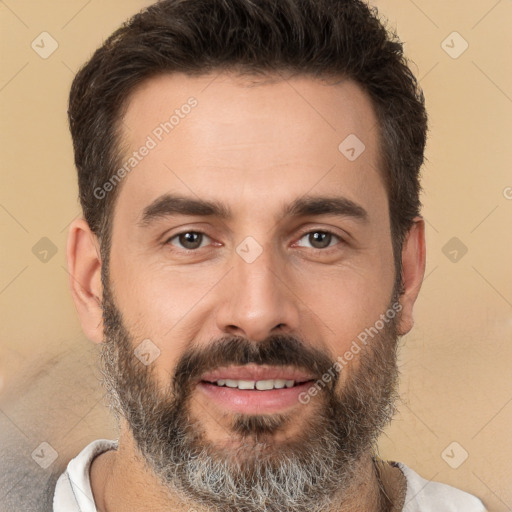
[{"x": 275, "y": 350}]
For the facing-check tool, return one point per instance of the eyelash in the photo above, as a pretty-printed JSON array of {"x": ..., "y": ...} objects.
[{"x": 323, "y": 250}]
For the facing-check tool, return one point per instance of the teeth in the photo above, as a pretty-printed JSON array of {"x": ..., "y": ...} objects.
[
  {"x": 261, "y": 385},
  {"x": 264, "y": 385},
  {"x": 246, "y": 384}
]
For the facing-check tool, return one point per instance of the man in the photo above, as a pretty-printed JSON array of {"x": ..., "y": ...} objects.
[{"x": 250, "y": 252}]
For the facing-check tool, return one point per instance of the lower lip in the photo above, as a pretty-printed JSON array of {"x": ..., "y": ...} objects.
[{"x": 253, "y": 401}]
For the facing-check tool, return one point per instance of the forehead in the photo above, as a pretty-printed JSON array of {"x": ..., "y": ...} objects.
[{"x": 221, "y": 135}]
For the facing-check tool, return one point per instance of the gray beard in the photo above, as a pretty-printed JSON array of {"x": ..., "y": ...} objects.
[{"x": 253, "y": 473}]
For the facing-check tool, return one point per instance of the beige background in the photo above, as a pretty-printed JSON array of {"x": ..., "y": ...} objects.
[{"x": 456, "y": 378}]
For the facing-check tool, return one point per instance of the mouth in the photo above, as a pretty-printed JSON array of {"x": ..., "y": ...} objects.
[
  {"x": 260, "y": 385},
  {"x": 254, "y": 389}
]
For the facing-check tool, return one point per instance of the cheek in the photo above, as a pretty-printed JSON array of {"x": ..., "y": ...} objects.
[
  {"x": 343, "y": 303},
  {"x": 153, "y": 297},
  {"x": 163, "y": 305}
]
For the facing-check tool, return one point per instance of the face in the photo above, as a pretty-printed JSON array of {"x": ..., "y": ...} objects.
[{"x": 255, "y": 257}]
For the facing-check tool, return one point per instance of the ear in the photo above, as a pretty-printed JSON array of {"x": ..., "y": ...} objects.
[
  {"x": 84, "y": 267},
  {"x": 413, "y": 270}
]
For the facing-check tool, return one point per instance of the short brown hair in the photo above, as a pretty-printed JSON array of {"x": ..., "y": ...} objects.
[{"x": 317, "y": 38}]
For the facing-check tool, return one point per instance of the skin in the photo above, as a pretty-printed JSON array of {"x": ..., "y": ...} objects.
[{"x": 255, "y": 150}]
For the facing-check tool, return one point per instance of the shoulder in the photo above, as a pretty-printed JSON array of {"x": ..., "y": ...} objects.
[
  {"x": 73, "y": 490},
  {"x": 428, "y": 496}
]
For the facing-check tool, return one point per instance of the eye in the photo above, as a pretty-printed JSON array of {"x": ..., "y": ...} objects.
[
  {"x": 319, "y": 239},
  {"x": 189, "y": 240}
]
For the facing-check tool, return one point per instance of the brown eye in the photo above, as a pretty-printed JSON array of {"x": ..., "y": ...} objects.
[
  {"x": 189, "y": 240},
  {"x": 319, "y": 239}
]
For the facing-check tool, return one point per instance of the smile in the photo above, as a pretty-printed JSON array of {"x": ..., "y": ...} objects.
[
  {"x": 254, "y": 389},
  {"x": 260, "y": 385}
]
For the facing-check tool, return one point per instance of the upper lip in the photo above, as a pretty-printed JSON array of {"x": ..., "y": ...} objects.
[{"x": 257, "y": 372}]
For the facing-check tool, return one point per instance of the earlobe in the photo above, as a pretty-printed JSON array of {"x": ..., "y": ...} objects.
[
  {"x": 84, "y": 267},
  {"x": 413, "y": 271}
]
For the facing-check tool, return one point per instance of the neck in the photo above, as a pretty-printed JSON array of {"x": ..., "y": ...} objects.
[{"x": 120, "y": 480}]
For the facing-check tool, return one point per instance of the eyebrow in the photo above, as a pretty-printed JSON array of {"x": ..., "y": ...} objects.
[{"x": 169, "y": 205}]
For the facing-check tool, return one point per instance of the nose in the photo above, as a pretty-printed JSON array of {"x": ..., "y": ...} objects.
[{"x": 257, "y": 300}]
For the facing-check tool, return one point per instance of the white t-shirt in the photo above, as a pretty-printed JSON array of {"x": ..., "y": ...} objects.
[{"x": 73, "y": 491}]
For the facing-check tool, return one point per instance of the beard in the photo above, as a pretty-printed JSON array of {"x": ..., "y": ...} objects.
[{"x": 252, "y": 472}]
